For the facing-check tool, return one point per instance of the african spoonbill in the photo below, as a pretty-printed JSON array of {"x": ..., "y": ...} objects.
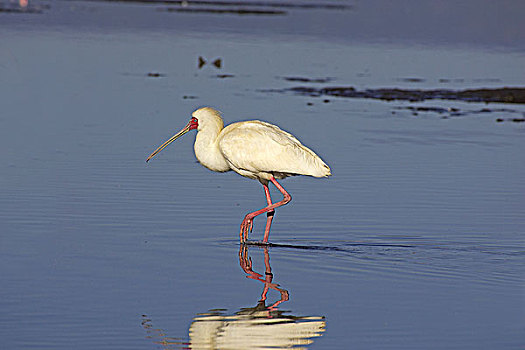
[{"x": 254, "y": 149}]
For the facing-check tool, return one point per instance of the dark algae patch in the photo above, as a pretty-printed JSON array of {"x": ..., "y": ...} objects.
[
  {"x": 275, "y": 4},
  {"x": 498, "y": 95},
  {"x": 251, "y": 8},
  {"x": 307, "y": 80},
  {"x": 226, "y": 11},
  {"x": 457, "y": 112}
]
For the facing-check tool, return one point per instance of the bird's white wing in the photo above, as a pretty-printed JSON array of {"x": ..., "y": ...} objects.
[{"x": 260, "y": 147}]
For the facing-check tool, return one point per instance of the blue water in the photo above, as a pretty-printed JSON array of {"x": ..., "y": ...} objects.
[{"x": 416, "y": 241}]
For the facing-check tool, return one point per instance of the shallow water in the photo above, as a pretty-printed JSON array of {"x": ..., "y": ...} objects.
[{"x": 416, "y": 241}]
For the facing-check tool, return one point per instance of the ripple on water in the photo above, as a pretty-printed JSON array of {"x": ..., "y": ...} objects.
[{"x": 485, "y": 265}]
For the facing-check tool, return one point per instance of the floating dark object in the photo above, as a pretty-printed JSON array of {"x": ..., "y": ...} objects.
[
  {"x": 499, "y": 95},
  {"x": 217, "y": 63},
  {"x": 202, "y": 62},
  {"x": 514, "y": 120},
  {"x": 411, "y": 80},
  {"x": 155, "y": 75},
  {"x": 445, "y": 80},
  {"x": 223, "y": 76}
]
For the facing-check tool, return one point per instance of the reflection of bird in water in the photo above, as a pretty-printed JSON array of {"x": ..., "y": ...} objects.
[
  {"x": 249, "y": 328},
  {"x": 259, "y": 327},
  {"x": 252, "y": 329},
  {"x": 253, "y": 149}
]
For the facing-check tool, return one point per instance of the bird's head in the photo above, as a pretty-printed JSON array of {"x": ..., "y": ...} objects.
[
  {"x": 208, "y": 118},
  {"x": 203, "y": 118}
]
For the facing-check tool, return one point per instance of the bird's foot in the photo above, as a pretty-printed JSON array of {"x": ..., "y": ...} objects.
[{"x": 246, "y": 227}]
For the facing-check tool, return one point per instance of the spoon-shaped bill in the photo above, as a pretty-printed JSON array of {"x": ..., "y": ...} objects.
[{"x": 173, "y": 138}]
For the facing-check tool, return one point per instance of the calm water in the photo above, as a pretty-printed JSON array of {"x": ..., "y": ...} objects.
[{"x": 415, "y": 242}]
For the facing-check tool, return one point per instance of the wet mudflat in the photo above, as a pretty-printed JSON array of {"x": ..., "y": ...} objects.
[{"x": 416, "y": 241}]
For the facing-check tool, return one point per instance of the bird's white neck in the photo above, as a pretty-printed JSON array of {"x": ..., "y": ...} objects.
[{"x": 207, "y": 149}]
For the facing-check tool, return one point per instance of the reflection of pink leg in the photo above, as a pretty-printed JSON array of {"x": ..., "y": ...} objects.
[
  {"x": 268, "y": 283},
  {"x": 246, "y": 264},
  {"x": 247, "y": 223}
]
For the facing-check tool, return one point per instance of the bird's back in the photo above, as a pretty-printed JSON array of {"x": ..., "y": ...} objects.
[{"x": 258, "y": 149}]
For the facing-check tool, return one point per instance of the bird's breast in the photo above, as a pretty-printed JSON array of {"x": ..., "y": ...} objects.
[{"x": 208, "y": 154}]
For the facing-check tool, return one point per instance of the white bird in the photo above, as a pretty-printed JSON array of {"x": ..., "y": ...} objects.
[{"x": 254, "y": 149}]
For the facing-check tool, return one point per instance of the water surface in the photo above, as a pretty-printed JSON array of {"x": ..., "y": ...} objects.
[{"x": 416, "y": 241}]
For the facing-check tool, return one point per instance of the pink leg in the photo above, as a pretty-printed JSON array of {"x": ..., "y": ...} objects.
[
  {"x": 247, "y": 223},
  {"x": 269, "y": 215}
]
